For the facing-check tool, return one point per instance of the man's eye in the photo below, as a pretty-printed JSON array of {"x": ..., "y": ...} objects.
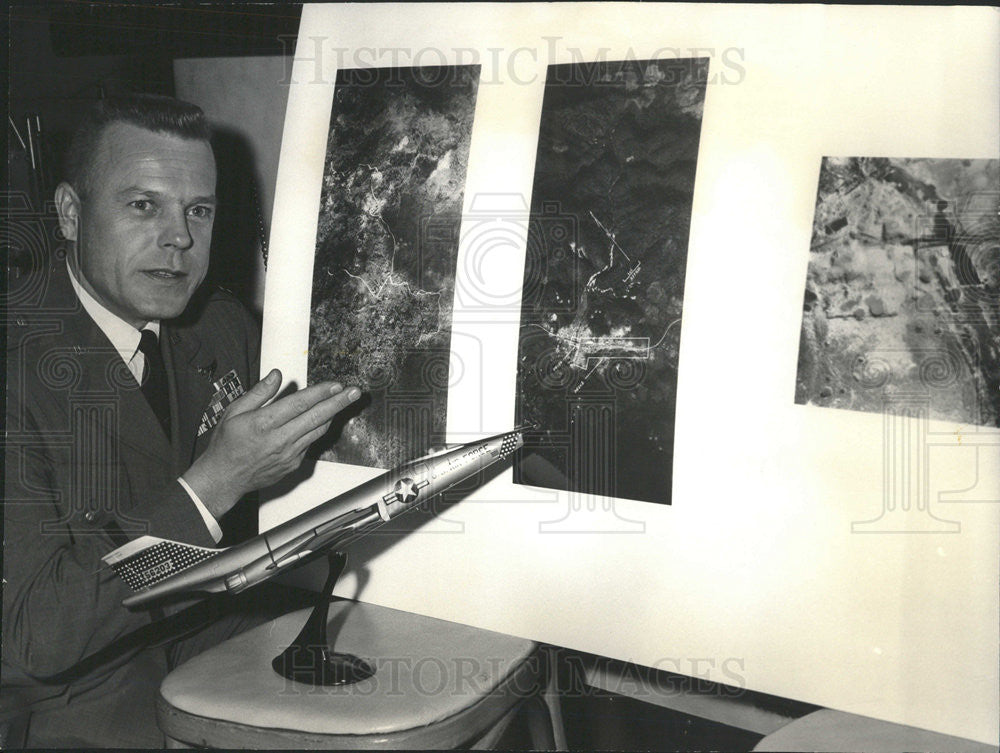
[
  {"x": 201, "y": 212},
  {"x": 142, "y": 205}
]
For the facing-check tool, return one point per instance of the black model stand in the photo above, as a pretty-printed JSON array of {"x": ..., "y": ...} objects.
[{"x": 311, "y": 659}]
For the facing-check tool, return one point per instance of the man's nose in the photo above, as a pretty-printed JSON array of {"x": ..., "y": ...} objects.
[{"x": 175, "y": 232}]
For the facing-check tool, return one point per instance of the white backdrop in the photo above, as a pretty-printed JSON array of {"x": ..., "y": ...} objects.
[{"x": 763, "y": 573}]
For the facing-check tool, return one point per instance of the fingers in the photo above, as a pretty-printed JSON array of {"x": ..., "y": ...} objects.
[
  {"x": 257, "y": 395},
  {"x": 271, "y": 439},
  {"x": 302, "y": 403},
  {"x": 298, "y": 446},
  {"x": 316, "y": 420},
  {"x": 302, "y": 444}
]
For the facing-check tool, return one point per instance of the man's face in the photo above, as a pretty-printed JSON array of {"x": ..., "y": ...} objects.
[{"x": 144, "y": 228}]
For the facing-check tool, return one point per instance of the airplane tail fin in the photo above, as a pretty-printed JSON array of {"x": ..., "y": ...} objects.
[{"x": 147, "y": 560}]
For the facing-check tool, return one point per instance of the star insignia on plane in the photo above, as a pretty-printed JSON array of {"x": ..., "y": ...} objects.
[{"x": 405, "y": 490}]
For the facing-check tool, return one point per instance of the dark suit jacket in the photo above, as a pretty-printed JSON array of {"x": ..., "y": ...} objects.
[{"x": 88, "y": 467}]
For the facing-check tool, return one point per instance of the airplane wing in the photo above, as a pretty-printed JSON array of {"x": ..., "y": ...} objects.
[{"x": 147, "y": 560}]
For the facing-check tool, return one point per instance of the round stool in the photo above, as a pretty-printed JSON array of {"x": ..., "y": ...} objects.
[{"x": 437, "y": 684}]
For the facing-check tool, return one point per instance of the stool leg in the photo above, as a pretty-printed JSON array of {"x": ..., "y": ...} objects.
[
  {"x": 535, "y": 712},
  {"x": 490, "y": 739},
  {"x": 551, "y": 699},
  {"x": 541, "y": 726}
]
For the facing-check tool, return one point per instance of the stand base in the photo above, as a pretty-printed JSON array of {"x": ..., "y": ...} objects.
[
  {"x": 310, "y": 659},
  {"x": 321, "y": 666}
]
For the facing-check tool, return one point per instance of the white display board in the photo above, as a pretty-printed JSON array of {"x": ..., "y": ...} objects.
[{"x": 798, "y": 558}]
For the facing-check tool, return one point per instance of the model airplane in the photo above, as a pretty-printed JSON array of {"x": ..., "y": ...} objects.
[{"x": 157, "y": 569}]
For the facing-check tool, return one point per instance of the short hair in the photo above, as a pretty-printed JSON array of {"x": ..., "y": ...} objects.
[{"x": 150, "y": 111}]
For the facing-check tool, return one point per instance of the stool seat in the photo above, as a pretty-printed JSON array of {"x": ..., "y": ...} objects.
[{"x": 437, "y": 684}]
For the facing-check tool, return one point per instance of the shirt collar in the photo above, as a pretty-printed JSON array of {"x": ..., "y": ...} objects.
[{"x": 123, "y": 336}]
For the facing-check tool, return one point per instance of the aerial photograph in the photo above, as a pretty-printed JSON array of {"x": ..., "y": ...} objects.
[
  {"x": 386, "y": 249},
  {"x": 604, "y": 275},
  {"x": 902, "y": 294}
]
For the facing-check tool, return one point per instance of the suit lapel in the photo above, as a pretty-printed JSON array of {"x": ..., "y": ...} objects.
[
  {"x": 138, "y": 427},
  {"x": 104, "y": 378},
  {"x": 101, "y": 375},
  {"x": 190, "y": 383}
]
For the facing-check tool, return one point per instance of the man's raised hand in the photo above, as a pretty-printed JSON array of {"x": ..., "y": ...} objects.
[{"x": 258, "y": 443}]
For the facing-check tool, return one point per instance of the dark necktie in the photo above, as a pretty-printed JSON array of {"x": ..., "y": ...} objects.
[{"x": 154, "y": 379}]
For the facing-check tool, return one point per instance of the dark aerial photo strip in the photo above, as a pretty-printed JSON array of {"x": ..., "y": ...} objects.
[
  {"x": 604, "y": 275},
  {"x": 902, "y": 298},
  {"x": 386, "y": 250}
]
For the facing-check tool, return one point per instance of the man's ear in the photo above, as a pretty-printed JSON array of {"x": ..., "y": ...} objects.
[{"x": 68, "y": 209}]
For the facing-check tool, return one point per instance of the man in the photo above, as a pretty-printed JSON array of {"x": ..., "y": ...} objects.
[{"x": 114, "y": 370}]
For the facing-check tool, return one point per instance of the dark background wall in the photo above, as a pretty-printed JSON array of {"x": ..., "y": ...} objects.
[{"x": 62, "y": 56}]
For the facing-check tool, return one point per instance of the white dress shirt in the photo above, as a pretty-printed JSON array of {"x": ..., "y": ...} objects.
[{"x": 125, "y": 339}]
